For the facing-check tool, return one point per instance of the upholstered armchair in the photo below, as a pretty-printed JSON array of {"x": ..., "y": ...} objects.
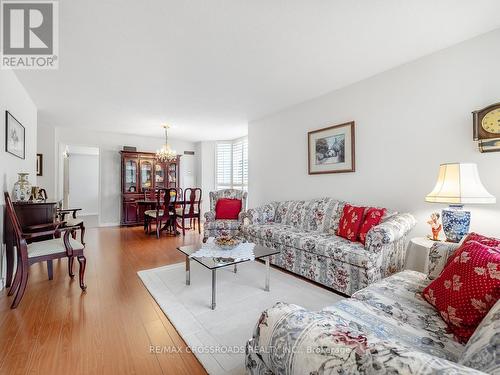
[{"x": 216, "y": 227}]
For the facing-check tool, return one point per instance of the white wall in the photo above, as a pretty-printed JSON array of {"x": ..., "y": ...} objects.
[
  {"x": 408, "y": 121},
  {"x": 15, "y": 99},
  {"x": 206, "y": 171},
  {"x": 46, "y": 147},
  {"x": 84, "y": 183},
  {"x": 109, "y": 145}
]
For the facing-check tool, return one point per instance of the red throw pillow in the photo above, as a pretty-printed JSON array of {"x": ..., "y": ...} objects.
[
  {"x": 227, "y": 209},
  {"x": 487, "y": 241},
  {"x": 467, "y": 288},
  {"x": 373, "y": 217},
  {"x": 350, "y": 222}
]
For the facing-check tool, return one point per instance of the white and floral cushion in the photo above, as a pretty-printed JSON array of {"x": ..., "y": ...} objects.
[
  {"x": 482, "y": 351},
  {"x": 384, "y": 329},
  {"x": 152, "y": 213},
  {"x": 322, "y": 244},
  {"x": 397, "y": 310},
  {"x": 53, "y": 246},
  {"x": 439, "y": 254}
]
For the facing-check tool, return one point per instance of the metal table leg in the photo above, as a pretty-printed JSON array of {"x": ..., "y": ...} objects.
[
  {"x": 188, "y": 271},
  {"x": 268, "y": 272},
  {"x": 213, "y": 289}
]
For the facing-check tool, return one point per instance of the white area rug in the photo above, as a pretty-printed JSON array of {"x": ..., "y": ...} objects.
[{"x": 240, "y": 300}]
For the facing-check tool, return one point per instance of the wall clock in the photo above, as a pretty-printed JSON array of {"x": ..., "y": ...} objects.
[{"x": 487, "y": 128}]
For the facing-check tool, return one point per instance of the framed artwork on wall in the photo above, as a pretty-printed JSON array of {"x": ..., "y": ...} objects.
[
  {"x": 14, "y": 136},
  {"x": 39, "y": 164},
  {"x": 331, "y": 149}
]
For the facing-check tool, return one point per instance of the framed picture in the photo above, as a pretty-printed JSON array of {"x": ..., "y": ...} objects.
[
  {"x": 14, "y": 136},
  {"x": 331, "y": 150},
  {"x": 39, "y": 164}
]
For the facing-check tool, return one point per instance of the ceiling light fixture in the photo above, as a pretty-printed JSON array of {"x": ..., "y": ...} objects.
[{"x": 166, "y": 154}]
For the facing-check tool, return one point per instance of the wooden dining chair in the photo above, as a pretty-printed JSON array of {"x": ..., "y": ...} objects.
[
  {"x": 163, "y": 214},
  {"x": 46, "y": 250},
  {"x": 190, "y": 209}
]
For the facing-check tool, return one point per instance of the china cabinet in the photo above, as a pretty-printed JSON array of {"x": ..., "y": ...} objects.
[{"x": 142, "y": 172}]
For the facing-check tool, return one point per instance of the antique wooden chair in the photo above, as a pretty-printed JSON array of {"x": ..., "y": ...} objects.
[
  {"x": 190, "y": 209},
  {"x": 163, "y": 215},
  {"x": 47, "y": 250}
]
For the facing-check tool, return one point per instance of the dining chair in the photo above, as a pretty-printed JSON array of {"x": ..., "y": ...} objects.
[
  {"x": 47, "y": 250},
  {"x": 149, "y": 195},
  {"x": 190, "y": 209},
  {"x": 164, "y": 212}
]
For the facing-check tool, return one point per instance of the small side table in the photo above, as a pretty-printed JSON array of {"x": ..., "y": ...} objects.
[{"x": 417, "y": 254}]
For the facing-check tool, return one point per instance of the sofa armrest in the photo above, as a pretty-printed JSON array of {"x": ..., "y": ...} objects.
[
  {"x": 209, "y": 216},
  {"x": 391, "y": 230},
  {"x": 439, "y": 253},
  {"x": 261, "y": 215}
]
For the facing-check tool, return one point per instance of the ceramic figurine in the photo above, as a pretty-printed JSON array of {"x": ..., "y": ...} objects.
[{"x": 435, "y": 226}]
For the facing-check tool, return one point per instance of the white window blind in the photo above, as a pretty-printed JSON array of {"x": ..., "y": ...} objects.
[{"x": 232, "y": 164}]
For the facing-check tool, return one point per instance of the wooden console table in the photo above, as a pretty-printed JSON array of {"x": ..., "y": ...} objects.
[{"x": 28, "y": 213}]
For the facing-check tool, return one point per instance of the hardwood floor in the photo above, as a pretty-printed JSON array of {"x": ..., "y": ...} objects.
[{"x": 108, "y": 330}]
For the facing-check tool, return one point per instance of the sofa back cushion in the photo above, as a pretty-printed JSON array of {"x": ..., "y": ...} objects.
[
  {"x": 482, "y": 351},
  {"x": 317, "y": 215}
]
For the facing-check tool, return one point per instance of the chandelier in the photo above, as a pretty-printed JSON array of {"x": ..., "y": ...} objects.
[{"x": 166, "y": 154}]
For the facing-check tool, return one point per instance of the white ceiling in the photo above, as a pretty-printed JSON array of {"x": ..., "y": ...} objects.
[{"x": 208, "y": 67}]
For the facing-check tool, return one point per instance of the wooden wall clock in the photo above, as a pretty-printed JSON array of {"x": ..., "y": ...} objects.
[{"x": 487, "y": 128}]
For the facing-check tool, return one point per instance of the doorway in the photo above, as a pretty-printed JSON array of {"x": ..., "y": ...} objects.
[{"x": 81, "y": 182}]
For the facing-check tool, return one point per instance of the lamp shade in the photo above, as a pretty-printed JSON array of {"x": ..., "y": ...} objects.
[{"x": 459, "y": 183}]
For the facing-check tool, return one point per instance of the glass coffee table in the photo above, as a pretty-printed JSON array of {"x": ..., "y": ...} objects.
[{"x": 213, "y": 264}]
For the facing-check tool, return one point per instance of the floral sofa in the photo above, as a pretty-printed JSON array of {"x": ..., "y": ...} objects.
[
  {"x": 305, "y": 233},
  {"x": 215, "y": 228},
  {"x": 386, "y": 328}
]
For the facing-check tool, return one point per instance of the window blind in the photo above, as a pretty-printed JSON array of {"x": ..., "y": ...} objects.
[{"x": 232, "y": 164}]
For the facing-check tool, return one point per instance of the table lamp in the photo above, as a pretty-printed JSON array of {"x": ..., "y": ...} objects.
[{"x": 458, "y": 184}]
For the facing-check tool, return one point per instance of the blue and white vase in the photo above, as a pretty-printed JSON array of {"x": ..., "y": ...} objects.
[{"x": 456, "y": 223}]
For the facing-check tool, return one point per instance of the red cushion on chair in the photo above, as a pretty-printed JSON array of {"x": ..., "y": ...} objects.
[
  {"x": 467, "y": 288},
  {"x": 373, "y": 217},
  {"x": 350, "y": 222},
  {"x": 227, "y": 209}
]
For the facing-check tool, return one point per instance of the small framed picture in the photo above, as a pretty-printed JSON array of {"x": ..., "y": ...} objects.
[
  {"x": 331, "y": 149},
  {"x": 39, "y": 164},
  {"x": 14, "y": 136}
]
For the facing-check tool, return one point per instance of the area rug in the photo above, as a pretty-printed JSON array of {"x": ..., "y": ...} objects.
[{"x": 217, "y": 337}]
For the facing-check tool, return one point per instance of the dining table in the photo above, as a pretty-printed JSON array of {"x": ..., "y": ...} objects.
[{"x": 150, "y": 204}]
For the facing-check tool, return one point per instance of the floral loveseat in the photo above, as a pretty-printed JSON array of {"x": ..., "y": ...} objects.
[
  {"x": 305, "y": 233},
  {"x": 386, "y": 328}
]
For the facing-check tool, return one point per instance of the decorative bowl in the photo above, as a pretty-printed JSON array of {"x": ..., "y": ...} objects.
[{"x": 227, "y": 242}]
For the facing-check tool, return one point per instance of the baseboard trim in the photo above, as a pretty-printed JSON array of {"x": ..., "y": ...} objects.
[{"x": 109, "y": 225}]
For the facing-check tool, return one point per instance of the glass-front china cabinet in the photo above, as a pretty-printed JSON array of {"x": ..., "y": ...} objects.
[{"x": 141, "y": 173}]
